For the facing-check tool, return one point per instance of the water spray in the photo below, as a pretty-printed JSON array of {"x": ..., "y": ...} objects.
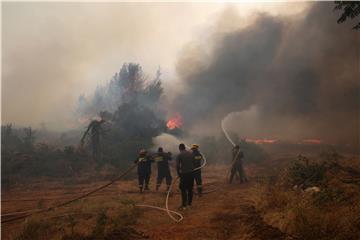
[
  {"x": 226, "y": 133},
  {"x": 232, "y": 143},
  {"x": 175, "y": 216}
]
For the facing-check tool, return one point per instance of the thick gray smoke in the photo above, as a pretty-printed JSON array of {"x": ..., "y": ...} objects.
[{"x": 298, "y": 77}]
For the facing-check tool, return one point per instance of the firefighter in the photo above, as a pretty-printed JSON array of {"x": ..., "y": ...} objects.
[
  {"x": 198, "y": 158},
  {"x": 237, "y": 165},
  {"x": 144, "y": 169},
  {"x": 162, "y": 159},
  {"x": 184, "y": 169}
]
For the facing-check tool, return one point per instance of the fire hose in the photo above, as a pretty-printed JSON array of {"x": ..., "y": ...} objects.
[
  {"x": 38, "y": 211},
  {"x": 172, "y": 213},
  {"x": 233, "y": 144}
]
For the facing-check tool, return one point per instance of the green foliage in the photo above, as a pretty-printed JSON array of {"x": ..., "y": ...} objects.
[
  {"x": 306, "y": 175},
  {"x": 44, "y": 161},
  {"x": 130, "y": 106},
  {"x": 28, "y": 140},
  {"x": 9, "y": 141}
]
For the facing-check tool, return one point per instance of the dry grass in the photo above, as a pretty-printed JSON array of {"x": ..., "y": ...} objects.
[
  {"x": 94, "y": 218},
  {"x": 332, "y": 213},
  {"x": 34, "y": 229},
  {"x": 257, "y": 210}
]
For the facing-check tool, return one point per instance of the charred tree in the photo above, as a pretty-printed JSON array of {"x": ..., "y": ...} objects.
[{"x": 94, "y": 131}]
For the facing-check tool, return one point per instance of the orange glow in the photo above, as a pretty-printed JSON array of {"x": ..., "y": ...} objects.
[
  {"x": 83, "y": 120},
  {"x": 175, "y": 122},
  {"x": 312, "y": 141},
  {"x": 261, "y": 141}
]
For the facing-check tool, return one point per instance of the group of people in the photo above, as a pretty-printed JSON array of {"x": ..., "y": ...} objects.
[{"x": 188, "y": 169}]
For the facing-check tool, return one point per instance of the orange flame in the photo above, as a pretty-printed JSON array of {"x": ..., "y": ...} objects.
[
  {"x": 312, "y": 141},
  {"x": 261, "y": 141},
  {"x": 175, "y": 122}
]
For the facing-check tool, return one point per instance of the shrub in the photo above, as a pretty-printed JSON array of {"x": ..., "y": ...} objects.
[
  {"x": 329, "y": 195},
  {"x": 305, "y": 175},
  {"x": 34, "y": 230}
]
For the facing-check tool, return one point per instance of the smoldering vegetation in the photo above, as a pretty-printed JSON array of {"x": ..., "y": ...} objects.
[
  {"x": 110, "y": 136},
  {"x": 127, "y": 85},
  {"x": 299, "y": 73},
  {"x": 105, "y": 145}
]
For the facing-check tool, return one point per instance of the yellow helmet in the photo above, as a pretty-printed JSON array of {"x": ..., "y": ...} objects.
[{"x": 194, "y": 146}]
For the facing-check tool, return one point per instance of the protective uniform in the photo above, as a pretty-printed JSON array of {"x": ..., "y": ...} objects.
[
  {"x": 184, "y": 168},
  {"x": 162, "y": 159},
  {"x": 144, "y": 169},
  {"x": 198, "y": 158},
  {"x": 237, "y": 165}
]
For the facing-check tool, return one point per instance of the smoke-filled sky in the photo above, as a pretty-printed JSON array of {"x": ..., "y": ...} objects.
[
  {"x": 286, "y": 78},
  {"x": 288, "y": 70},
  {"x": 53, "y": 52}
]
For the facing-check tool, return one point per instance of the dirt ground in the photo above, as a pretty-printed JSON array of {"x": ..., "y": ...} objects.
[{"x": 223, "y": 212}]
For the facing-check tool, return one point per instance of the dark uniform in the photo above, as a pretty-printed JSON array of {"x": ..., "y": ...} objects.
[
  {"x": 162, "y": 159},
  {"x": 198, "y": 158},
  {"x": 144, "y": 170},
  {"x": 184, "y": 168},
  {"x": 237, "y": 165}
]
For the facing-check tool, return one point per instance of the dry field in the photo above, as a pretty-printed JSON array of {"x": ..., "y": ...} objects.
[{"x": 260, "y": 209}]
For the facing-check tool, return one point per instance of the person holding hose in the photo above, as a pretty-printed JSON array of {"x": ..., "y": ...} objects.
[
  {"x": 198, "y": 158},
  {"x": 162, "y": 159},
  {"x": 184, "y": 169},
  {"x": 143, "y": 169},
  {"x": 237, "y": 165}
]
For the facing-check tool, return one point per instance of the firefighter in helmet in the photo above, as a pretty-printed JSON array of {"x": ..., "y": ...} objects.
[{"x": 143, "y": 169}]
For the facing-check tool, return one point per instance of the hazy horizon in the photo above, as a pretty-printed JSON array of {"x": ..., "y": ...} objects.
[{"x": 54, "y": 52}]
